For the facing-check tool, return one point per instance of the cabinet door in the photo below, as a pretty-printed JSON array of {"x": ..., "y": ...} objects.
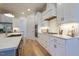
[
  {"x": 67, "y": 13},
  {"x": 59, "y": 45},
  {"x": 64, "y": 13},
  {"x": 70, "y": 12},
  {"x": 59, "y": 14},
  {"x": 38, "y": 18},
  {"x": 72, "y": 47},
  {"x": 46, "y": 42},
  {"x": 6, "y": 18},
  {"x": 41, "y": 39},
  {"x": 11, "y": 52},
  {"x": 44, "y": 38},
  {"x": 58, "y": 50},
  {"x": 51, "y": 46}
]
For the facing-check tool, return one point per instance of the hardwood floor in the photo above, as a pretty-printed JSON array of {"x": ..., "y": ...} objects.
[{"x": 32, "y": 48}]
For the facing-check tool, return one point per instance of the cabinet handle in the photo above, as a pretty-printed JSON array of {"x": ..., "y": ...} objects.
[
  {"x": 62, "y": 19},
  {"x": 55, "y": 46}
]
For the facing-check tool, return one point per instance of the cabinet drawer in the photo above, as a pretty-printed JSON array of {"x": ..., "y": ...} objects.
[
  {"x": 8, "y": 53},
  {"x": 59, "y": 41}
]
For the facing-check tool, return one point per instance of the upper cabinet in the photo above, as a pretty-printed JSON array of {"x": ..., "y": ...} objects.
[
  {"x": 4, "y": 18},
  {"x": 67, "y": 13},
  {"x": 38, "y": 18}
]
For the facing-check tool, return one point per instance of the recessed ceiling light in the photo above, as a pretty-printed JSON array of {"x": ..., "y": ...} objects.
[{"x": 28, "y": 9}]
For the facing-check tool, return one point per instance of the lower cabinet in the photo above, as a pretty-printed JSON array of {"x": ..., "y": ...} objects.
[
  {"x": 57, "y": 46},
  {"x": 51, "y": 46},
  {"x": 64, "y": 47},
  {"x": 58, "y": 50},
  {"x": 43, "y": 39},
  {"x": 10, "y": 52}
]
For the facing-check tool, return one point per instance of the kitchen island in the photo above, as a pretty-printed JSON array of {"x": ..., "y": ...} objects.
[{"x": 9, "y": 45}]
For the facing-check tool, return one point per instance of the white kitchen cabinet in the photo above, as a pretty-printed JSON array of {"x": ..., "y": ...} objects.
[
  {"x": 59, "y": 14},
  {"x": 38, "y": 18},
  {"x": 56, "y": 47},
  {"x": 4, "y": 18},
  {"x": 67, "y": 13},
  {"x": 58, "y": 50},
  {"x": 64, "y": 47},
  {"x": 51, "y": 45},
  {"x": 71, "y": 12},
  {"x": 40, "y": 38},
  {"x": 44, "y": 40},
  {"x": 72, "y": 47}
]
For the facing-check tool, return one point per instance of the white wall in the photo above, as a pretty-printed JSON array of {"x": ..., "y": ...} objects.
[
  {"x": 20, "y": 23},
  {"x": 26, "y": 25},
  {"x": 15, "y": 22},
  {"x": 31, "y": 26},
  {"x": 38, "y": 20}
]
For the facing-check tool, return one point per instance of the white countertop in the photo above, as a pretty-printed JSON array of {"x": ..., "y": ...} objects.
[
  {"x": 61, "y": 36},
  {"x": 9, "y": 42},
  {"x": 65, "y": 36}
]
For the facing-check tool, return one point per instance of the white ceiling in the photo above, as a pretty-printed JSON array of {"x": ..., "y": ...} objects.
[{"x": 18, "y": 8}]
